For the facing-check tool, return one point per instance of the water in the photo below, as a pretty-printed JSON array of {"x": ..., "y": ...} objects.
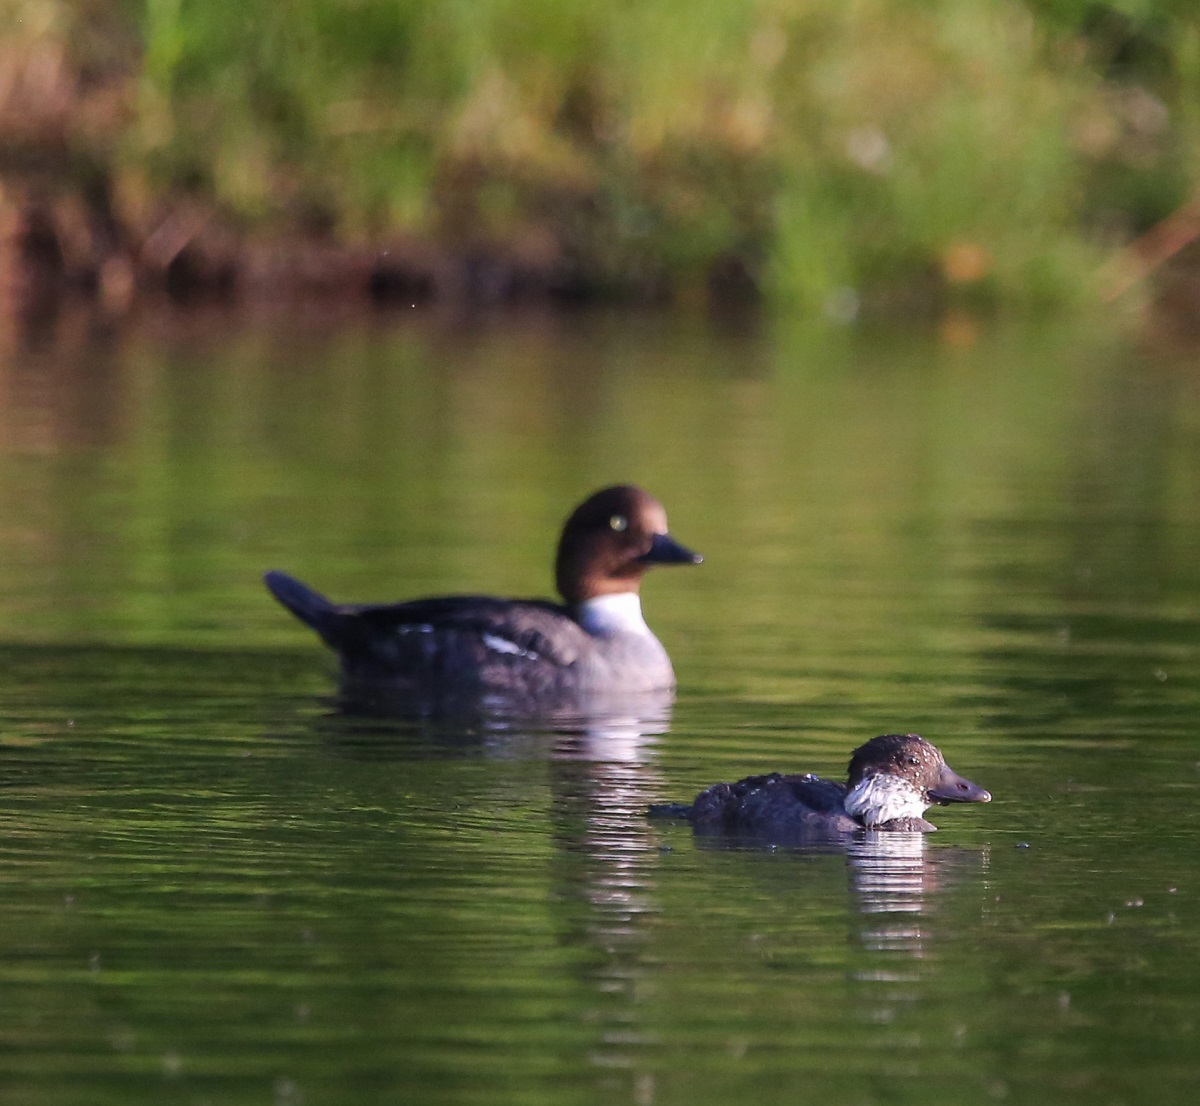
[{"x": 217, "y": 889}]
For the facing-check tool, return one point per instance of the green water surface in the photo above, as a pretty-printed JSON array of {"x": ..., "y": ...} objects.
[{"x": 214, "y": 888}]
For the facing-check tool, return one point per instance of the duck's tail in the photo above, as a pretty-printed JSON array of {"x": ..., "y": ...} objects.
[
  {"x": 669, "y": 810},
  {"x": 307, "y": 605}
]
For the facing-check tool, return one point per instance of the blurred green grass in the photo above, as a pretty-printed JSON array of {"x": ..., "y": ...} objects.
[{"x": 828, "y": 153}]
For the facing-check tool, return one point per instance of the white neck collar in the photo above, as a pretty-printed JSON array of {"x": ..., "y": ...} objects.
[
  {"x": 612, "y": 614},
  {"x": 882, "y": 798}
]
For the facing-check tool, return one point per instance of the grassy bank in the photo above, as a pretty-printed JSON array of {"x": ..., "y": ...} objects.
[{"x": 825, "y": 154}]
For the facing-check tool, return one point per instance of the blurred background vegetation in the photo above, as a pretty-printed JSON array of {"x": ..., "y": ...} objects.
[{"x": 837, "y": 155}]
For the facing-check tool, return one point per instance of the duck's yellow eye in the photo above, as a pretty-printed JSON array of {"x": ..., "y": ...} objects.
[{"x": 619, "y": 522}]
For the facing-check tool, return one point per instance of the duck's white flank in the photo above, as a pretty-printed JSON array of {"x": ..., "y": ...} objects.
[
  {"x": 881, "y": 798},
  {"x": 499, "y": 644},
  {"x": 613, "y": 614}
]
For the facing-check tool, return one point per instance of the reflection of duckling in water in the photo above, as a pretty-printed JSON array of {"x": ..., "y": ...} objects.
[{"x": 892, "y": 781}]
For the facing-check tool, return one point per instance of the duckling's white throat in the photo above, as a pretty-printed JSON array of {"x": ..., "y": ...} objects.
[
  {"x": 882, "y": 798},
  {"x": 612, "y": 614}
]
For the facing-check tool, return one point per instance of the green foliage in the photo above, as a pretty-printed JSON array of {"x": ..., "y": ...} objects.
[{"x": 975, "y": 149}]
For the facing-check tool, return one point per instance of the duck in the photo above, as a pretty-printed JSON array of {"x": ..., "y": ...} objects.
[
  {"x": 516, "y": 652},
  {"x": 891, "y": 781}
]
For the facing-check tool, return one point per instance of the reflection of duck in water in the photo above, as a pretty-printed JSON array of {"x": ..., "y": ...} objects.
[
  {"x": 892, "y": 781},
  {"x": 523, "y": 653},
  {"x": 891, "y": 872}
]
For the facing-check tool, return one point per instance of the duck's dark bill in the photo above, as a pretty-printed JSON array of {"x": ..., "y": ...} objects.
[
  {"x": 665, "y": 550},
  {"x": 952, "y": 788}
]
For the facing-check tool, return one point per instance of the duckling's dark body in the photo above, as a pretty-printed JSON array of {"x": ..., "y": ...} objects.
[{"x": 782, "y": 806}]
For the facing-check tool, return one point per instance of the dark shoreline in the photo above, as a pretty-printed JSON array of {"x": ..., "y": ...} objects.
[{"x": 76, "y": 247}]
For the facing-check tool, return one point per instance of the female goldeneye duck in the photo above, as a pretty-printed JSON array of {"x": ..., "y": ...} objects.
[
  {"x": 892, "y": 780},
  {"x": 518, "y": 651}
]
